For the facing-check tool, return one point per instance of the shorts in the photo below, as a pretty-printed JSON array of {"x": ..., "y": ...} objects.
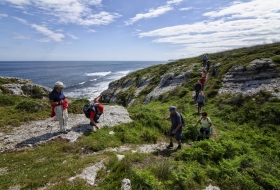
[{"x": 178, "y": 134}]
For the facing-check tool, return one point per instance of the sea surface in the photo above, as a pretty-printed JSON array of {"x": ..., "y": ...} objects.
[{"x": 84, "y": 79}]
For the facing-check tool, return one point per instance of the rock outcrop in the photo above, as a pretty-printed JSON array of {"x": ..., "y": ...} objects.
[
  {"x": 25, "y": 87},
  {"x": 260, "y": 74},
  {"x": 167, "y": 83}
]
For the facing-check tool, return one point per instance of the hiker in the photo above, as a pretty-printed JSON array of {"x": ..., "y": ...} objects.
[
  {"x": 208, "y": 64},
  {"x": 204, "y": 59},
  {"x": 206, "y": 124},
  {"x": 200, "y": 102},
  {"x": 204, "y": 74},
  {"x": 197, "y": 89},
  {"x": 177, "y": 122},
  {"x": 95, "y": 112},
  {"x": 202, "y": 82},
  {"x": 59, "y": 106}
]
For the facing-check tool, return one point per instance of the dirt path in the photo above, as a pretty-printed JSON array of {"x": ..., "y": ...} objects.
[{"x": 37, "y": 132}]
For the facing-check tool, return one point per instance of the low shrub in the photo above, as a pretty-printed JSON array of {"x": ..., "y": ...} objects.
[
  {"x": 32, "y": 106},
  {"x": 76, "y": 106}
]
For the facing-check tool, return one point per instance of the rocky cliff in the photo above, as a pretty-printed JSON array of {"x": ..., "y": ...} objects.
[
  {"x": 226, "y": 75},
  {"x": 24, "y": 87}
]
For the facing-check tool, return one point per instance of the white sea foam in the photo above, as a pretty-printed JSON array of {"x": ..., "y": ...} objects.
[
  {"x": 123, "y": 72},
  {"x": 103, "y": 74},
  {"x": 82, "y": 82}
]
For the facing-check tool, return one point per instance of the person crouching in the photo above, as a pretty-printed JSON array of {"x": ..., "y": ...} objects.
[
  {"x": 59, "y": 106},
  {"x": 96, "y": 111}
]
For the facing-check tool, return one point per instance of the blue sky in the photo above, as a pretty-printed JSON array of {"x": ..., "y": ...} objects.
[{"x": 132, "y": 29}]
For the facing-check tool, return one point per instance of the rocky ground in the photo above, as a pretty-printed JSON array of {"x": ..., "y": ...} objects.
[{"x": 37, "y": 132}]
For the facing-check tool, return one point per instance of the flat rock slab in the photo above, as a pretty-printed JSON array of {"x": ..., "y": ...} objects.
[
  {"x": 37, "y": 132},
  {"x": 89, "y": 174}
]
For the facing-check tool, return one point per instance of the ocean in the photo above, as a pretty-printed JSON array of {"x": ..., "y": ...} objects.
[{"x": 84, "y": 79}]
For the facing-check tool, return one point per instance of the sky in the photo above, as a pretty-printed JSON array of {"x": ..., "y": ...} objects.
[{"x": 111, "y": 30}]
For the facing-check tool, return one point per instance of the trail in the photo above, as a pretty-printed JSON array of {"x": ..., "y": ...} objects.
[{"x": 41, "y": 131}]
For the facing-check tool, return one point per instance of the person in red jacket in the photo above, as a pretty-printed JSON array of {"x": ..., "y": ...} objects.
[
  {"x": 202, "y": 82},
  {"x": 96, "y": 112}
]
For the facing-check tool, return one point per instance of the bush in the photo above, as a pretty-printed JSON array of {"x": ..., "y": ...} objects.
[
  {"x": 276, "y": 59},
  {"x": 76, "y": 106},
  {"x": 31, "y": 106},
  {"x": 4, "y": 90},
  {"x": 9, "y": 100}
]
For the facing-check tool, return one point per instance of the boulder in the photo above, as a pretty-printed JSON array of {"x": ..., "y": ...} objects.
[
  {"x": 126, "y": 184},
  {"x": 217, "y": 65},
  {"x": 211, "y": 187}
]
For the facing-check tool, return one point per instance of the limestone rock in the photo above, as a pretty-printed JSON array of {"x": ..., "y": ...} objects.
[
  {"x": 211, "y": 187},
  {"x": 25, "y": 87},
  {"x": 217, "y": 65},
  {"x": 259, "y": 75},
  {"x": 126, "y": 184},
  {"x": 89, "y": 174},
  {"x": 167, "y": 83}
]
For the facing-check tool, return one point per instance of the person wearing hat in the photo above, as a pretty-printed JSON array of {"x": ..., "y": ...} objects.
[
  {"x": 59, "y": 106},
  {"x": 176, "y": 126}
]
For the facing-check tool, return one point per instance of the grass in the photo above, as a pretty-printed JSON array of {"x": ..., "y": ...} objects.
[{"x": 245, "y": 155}]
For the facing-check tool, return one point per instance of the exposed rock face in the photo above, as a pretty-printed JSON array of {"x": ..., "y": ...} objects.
[
  {"x": 25, "y": 87},
  {"x": 260, "y": 74},
  {"x": 110, "y": 95},
  {"x": 167, "y": 83}
]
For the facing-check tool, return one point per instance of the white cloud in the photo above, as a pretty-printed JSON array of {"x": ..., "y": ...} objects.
[
  {"x": 23, "y": 21},
  {"x": 44, "y": 40},
  {"x": 57, "y": 37},
  {"x": 186, "y": 8},
  {"x": 174, "y": 2},
  {"x": 90, "y": 31},
  {"x": 19, "y": 2},
  {"x": 3, "y": 15},
  {"x": 152, "y": 13},
  {"x": 238, "y": 25},
  {"x": 78, "y": 12},
  {"x": 72, "y": 36},
  {"x": 22, "y": 37}
]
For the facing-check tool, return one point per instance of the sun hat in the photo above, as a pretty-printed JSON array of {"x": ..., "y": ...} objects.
[
  {"x": 59, "y": 84},
  {"x": 172, "y": 108}
]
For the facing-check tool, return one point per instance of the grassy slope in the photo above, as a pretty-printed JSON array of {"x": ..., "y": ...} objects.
[{"x": 244, "y": 156}]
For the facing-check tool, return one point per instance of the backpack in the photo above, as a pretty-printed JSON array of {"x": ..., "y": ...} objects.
[{"x": 87, "y": 108}]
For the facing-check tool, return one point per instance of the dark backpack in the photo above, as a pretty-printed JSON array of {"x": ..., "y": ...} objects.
[{"x": 87, "y": 108}]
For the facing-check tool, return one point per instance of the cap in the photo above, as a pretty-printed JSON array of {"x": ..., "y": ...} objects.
[
  {"x": 172, "y": 108},
  {"x": 59, "y": 84},
  {"x": 101, "y": 108}
]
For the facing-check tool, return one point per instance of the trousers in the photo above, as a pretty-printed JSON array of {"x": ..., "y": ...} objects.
[{"x": 62, "y": 116}]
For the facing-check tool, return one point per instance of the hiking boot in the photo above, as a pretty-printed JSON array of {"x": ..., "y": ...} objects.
[
  {"x": 170, "y": 145},
  {"x": 179, "y": 147}
]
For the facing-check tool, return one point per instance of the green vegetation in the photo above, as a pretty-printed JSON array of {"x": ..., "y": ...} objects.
[{"x": 243, "y": 152}]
